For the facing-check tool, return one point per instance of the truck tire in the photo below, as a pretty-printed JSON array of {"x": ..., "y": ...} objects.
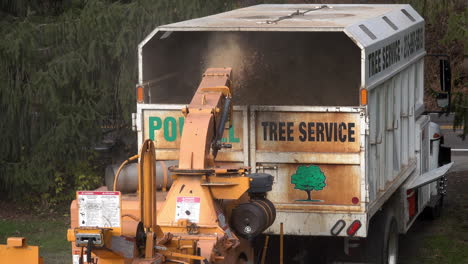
[
  {"x": 382, "y": 240},
  {"x": 390, "y": 255}
]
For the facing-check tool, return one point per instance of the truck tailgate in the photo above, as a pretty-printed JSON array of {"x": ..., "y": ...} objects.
[{"x": 316, "y": 155}]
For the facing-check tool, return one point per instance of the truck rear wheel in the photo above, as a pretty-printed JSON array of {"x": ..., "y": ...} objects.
[
  {"x": 390, "y": 255},
  {"x": 382, "y": 240}
]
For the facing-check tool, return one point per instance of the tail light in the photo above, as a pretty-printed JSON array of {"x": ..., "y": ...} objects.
[
  {"x": 140, "y": 94},
  {"x": 363, "y": 97},
  {"x": 353, "y": 228},
  {"x": 337, "y": 227}
]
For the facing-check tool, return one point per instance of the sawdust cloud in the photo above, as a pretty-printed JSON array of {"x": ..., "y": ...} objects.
[
  {"x": 235, "y": 51},
  {"x": 269, "y": 68},
  {"x": 286, "y": 68}
]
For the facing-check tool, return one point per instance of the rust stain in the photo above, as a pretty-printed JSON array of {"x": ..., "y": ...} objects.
[
  {"x": 342, "y": 184},
  {"x": 307, "y": 132}
]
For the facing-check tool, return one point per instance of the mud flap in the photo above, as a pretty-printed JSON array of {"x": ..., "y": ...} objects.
[{"x": 445, "y": 155}]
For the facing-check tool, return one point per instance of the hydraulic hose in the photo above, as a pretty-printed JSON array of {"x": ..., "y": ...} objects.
[
  {"x": 116, "y": 178},
  {"x": 220, "y": 129}
]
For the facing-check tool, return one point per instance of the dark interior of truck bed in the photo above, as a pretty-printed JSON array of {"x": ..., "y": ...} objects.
[{"x": 269, "y": 68}]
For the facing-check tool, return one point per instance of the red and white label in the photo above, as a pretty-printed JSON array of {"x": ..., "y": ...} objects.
[
  {"x": 97, "y": 193},
  {"x": 188, "y": 208},
  {"x": 98, "y": 209}
]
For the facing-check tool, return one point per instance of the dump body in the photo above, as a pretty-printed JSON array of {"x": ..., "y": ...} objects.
[{"x": 298, "y": 76}]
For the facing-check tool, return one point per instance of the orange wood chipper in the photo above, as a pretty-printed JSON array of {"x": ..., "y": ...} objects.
[{"x": 190, "y": 222}]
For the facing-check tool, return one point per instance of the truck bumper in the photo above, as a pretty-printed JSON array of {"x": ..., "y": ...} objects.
[{"x": 318, "y": 224}]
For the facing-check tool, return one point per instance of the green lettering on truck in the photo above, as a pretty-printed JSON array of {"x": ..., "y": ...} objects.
[
  {"x": 232, "y": 138},
  {"x": 169, "y": 126},
  {"x": 155, "y": 123}
]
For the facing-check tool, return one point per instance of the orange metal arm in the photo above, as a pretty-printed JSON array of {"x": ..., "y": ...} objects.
[{"x": 147, "y": 185}]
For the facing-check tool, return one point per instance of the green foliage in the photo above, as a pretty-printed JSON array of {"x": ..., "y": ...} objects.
[
  {"x": 308, "y": 178},
  {"x": 457, "y": 30},
  {"x": 460, "y": 105},
  {"x": 447, "y": 33},
  {"x": 65, "y": 66}
]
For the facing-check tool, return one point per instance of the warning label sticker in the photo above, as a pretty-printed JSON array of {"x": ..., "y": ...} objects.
[
  {"x": 99, "y": 209},
  {"x": 76, "y": 259},
  {"x": 188, "y": 208}
]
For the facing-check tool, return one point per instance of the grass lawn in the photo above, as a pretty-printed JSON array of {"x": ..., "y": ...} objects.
[
  {"x": 49, "y": 234},
  {"x": 444, "y": 240},
  {"x": 448, "y": 242}
]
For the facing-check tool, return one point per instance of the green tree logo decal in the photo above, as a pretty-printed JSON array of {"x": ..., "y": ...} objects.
[{"x": 309, "y": 178}]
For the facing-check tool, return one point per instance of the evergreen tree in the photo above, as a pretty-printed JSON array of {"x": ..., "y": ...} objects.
[{"x": 64, "y": 67}]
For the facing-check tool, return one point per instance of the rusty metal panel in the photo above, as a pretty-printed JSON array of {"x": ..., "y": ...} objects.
[
  {"x": 340, "y": 184},
  {"x": 314, "y": 170},
  {"x": 307, "y": 132},
  {"x": 164, "y": 125},
  {"x": 310, "y": 157}
]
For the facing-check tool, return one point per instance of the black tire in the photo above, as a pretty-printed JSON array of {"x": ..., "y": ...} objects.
[
  {"x": 390, "y": 254},
  {"x": 242, "y": 258},
  {"x": 382, "y": 240}
]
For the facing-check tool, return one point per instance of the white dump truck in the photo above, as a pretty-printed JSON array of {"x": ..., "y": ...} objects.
[{"x": 328, "y": 100}]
